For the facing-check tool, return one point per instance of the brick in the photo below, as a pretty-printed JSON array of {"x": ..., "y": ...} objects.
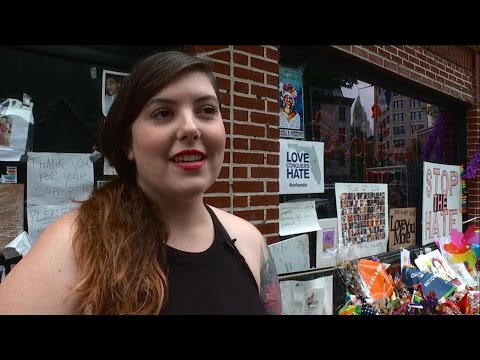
[
  {"x": 264, "y": 65},
  {"x": 273, "y": 159},
  {"x": 224, "y": 56},
  {"x": 221, "y": 68},
  {"x": 262, "y": 118},
  {"x": 371, "y": 48},
  {"x": 251, "y": 49},
  {"x": 273, "y": 133},
  {"x": 273, "y": 186},
  {"x": 222, "y": 202},
  {"x": 272, "y": 80},
  {"x": 268, "y": 228},
  {"x": 249, "y": 130},
  {"x": 263, "y": 200},
  {"x": 240, "y": 172},
  {"x": 264, "y": 91},
  {"x": 360, "y": 52},
  {"x": 224, "y": 173},
  {"x": 240, "y": 59},
  {"x": 383, "y": 53},
  {"x": 248, "y": 158},
  {"x": 240, "y": 143},
  {"x": 264, "y": 172},
  {"x": 271, "y": 239},
  {"x": 273, "y": 54},
  {"x": 240, "y": 115},
  {"x": 240, "y": 201},
  {"x": 376, "y": 59},
  {"x": 248, "y": 102},
  {"x": 241, "y": 87},
  {"x": 220, "y": 187},
  {"x": 247, "y": 186},
  {"x": 247, "y": 74},
  {"x": 265, "y": 145},
  {"x": 198, "y": 49},
  {"x": 273, "y": 213},
  {"x": 391, "y": 49},
  {"x": 272, "y": 106},
  {"x": 250, "y": 215}
]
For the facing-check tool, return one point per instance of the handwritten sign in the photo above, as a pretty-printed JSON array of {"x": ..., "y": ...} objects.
[
  {"x": 11, "y": 212},
  {"x": 58, "y": 178},
  {"x": 402, "y": 224},
  {"x": 297, "y": 217},
  {"x": 291, "y": 255},
  {"x": 54, "y": 180},
  {"x": 442, "y": 201},
  {"x": 40, "y": 216}
]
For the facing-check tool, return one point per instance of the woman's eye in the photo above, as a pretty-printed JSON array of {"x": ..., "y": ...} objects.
[
  {"x": 209, "y": 109},
  {"x": 162, "y": 113}
]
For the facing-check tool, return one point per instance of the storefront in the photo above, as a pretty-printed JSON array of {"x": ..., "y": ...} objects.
[{"x": 371, "y": 114}]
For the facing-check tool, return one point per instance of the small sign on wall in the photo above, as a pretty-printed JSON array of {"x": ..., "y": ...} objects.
[{"x": 402, "y": 225}]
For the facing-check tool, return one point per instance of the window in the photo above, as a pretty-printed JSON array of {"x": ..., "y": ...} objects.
[
  {"x": 398, "y": 104},
  {"x": 341, "y": 114},
  {"x": 398, "y": 130},
  {"x": 416, "y": 115},
  {"x": 398, "y": 117},
  {"x": 415, "y": 103}
]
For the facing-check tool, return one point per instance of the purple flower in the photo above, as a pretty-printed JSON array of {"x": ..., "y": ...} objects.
[{"x": 473, "y": 166}]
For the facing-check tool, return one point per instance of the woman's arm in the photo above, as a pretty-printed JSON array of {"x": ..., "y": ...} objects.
[
  {"x": 41, "y": 281},
  {"x": 269, "y": 284}
]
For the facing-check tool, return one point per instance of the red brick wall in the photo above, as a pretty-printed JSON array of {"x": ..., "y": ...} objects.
[
  {"x": 248, "y": 183},
  {"x": 453, "y": 70},
  {"x": 418, "y": 64}
]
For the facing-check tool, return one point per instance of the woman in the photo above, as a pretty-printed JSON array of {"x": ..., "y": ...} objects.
[{"x": 146, "y": 243}]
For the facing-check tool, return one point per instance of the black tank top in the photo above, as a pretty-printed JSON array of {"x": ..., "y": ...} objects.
[{"x": 215, "y": 281}]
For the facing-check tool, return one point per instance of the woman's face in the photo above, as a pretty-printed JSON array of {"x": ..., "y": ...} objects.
[{"x": 178, "y": 140}]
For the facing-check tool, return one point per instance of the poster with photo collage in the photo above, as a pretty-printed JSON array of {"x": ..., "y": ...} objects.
[{"x": 363, "y": 218}]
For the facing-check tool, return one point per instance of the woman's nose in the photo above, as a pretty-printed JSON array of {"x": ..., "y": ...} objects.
[{"x": 188, "y": 127}]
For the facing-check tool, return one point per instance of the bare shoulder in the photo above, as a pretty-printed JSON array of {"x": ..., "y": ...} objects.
[
  {"x": 41, "y": 282},
  {"x": 249, "y": 240},
  {"x": 239, "y": 228}
]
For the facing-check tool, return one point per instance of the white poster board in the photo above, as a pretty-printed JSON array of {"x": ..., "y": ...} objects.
[
  {"x": 363, "y": 217},
  {"x": 442, "y": 201},
  {"x": 291, "y": 255},
  {"x": 301, "y": 167},
  {"x": 312, "y": 297},
  {"x": 297, "y": 217},
  {"x": 53, "y": 181}
]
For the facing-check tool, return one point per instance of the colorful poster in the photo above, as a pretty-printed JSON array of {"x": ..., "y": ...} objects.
[
  {"x": 402, "y": 225},
  {"x": 290, "y": 100},
  {"x": 327, "y": 243},
  {"x": 301, "y": 167},
  {"x": 442, "y": 201},
  {"x": 363, "y": 213}
]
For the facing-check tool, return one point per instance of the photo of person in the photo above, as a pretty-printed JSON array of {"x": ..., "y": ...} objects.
[
  {"x": 111, "y": 84},
  {"x": 5, "y": 130},
  {"x": 289, "y": 118}
]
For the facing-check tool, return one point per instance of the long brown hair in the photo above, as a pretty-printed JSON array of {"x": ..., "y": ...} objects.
[{"x": 119, "y": 243}]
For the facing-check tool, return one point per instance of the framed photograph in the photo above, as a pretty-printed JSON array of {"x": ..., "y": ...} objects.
[
  {"x": 111, "y": 83},
  {"x": 327, "y": 242}
]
